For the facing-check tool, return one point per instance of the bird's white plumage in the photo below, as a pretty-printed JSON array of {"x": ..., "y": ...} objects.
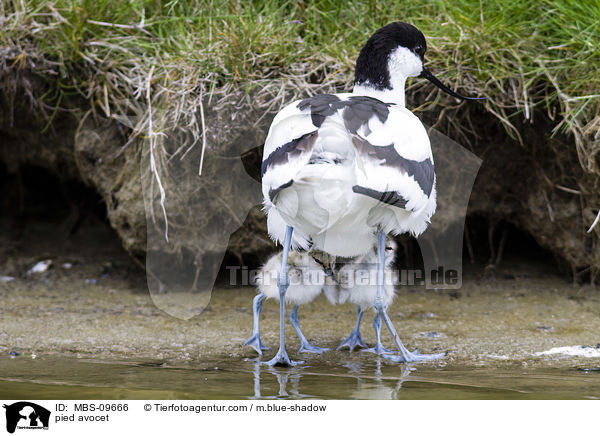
[
  {"x": 307, "y": 278},
  {"x": 354, "y": 280},
  {"x": 320, "y": 202},
  {"x": 358, "y": 283}
]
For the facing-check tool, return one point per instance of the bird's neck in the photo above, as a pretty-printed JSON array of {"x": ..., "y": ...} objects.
[{"x": 393, "y": 95}]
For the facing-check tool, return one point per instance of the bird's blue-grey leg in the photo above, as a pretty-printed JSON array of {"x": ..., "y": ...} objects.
[
  {"x": 255, "y": 341},
  {"x": 283, "y": 282},
  {"x": 354, "y": 340},
  {"x": 305, "y": 346},
  {"x": 378, "y": 349},
  {"x": 405, "y": 355}
]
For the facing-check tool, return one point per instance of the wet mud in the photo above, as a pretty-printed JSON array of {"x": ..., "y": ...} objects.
[{"x": 71, "y": 337}]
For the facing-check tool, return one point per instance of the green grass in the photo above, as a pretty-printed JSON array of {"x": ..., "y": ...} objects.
[{"x": 524, "y": 55}]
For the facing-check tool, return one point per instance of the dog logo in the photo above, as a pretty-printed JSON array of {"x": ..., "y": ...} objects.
[{"x": 26, "y": 415}]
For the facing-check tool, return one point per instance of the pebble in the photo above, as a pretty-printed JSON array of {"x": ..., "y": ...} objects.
[
  {"x": 40, "y": 267},
  {"x": 574, "y": 350},
  {"x": 430, "y": 334}
]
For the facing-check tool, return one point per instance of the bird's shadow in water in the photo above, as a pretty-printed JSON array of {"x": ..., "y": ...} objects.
[{"x": 370, "y": 381}]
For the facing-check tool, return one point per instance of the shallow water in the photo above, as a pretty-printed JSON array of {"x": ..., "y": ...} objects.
[
  {"x": 358, "y": 378},
  {"x": 76, "y": 340}
]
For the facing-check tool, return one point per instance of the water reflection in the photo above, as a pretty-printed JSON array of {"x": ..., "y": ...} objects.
[
  {"x": 283, "y": 378},
  {"x": 333, "y": 376},
  {"x": 370, "y": 382}
]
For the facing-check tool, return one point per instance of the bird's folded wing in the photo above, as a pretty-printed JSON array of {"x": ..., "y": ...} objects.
[
  {"x": 291, "y": 140},
  {"x": 394, "y": 161},
  {"x": 287, "y": 149}
]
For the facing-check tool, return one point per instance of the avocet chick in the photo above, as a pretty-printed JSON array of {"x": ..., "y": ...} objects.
[
  {"x": 358, "y": 285},
  {"x": 307, "y": 279}
]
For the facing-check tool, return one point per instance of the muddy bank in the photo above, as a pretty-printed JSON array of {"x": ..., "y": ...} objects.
[
  {"x": 92, "y": 301},
  {"x": 500, "y": 323},
  {"x": 540, "y": 189},
  {"x": 87, "y": 328}
]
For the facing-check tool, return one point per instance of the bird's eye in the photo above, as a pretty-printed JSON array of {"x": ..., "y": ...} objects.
[{"x": 420, "y": 50}]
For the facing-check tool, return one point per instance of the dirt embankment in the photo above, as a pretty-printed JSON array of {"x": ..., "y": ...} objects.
[{"x": 538, "y": 186}]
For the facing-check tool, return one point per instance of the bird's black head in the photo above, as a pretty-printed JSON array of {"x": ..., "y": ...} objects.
[
  {"x": 372, "y": 62},
  {"x": 398, "y": 48}
]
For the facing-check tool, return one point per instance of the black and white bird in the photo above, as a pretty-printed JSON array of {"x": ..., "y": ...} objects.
[{"x": 341, "y": 171}]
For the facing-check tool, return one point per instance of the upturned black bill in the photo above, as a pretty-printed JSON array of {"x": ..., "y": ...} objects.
[{"x": 429, "y": 76}]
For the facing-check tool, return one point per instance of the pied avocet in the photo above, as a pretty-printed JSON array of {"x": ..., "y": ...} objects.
[{"x": 341, "y": 171}]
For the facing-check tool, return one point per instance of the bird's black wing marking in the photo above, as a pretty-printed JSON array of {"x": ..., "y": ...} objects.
[
  {"x": 273, "y": 192},
  {"x": 388, "y": 197},
  {"x": 358, "y": 110},
  {"x": 321, "y": 106},
  {"x": 421, "y": 171},
  {"x": 294, "y": 148}
]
